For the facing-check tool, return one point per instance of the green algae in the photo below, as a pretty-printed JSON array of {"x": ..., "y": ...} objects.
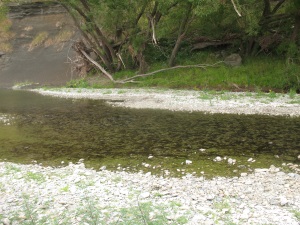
[{"x": 55, "y": 132}]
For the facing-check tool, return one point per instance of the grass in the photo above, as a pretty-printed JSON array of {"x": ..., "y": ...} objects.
[
  {"x": 38, "y": 177},
  {"x": 296, "y": 214},
  {"x": 38, "y": 40},
  {"x": 268, "y": 74},
  {"x": 90, "y": 212}
]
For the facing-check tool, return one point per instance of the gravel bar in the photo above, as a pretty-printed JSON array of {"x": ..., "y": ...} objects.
[
  {"x": 33, "y": 194},
  {"x": 181, "y": 100}
]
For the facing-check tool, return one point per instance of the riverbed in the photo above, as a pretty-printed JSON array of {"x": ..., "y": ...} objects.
[{"x": 122, "y": 156}]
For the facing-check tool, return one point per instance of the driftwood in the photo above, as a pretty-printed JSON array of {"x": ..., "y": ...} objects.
[
  {"x": 206, "y": 44},
  {"x": 202, "y": 66}
]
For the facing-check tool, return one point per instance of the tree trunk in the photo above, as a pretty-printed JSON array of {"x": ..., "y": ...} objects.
[
  {"x": 295, "y": 35},
  {"x": 175, "y": 50},
  {"x": 182, "y": 31}
]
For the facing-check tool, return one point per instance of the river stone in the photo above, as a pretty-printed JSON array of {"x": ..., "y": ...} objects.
[
  {"x": 5, "y": 221},
  {"x": 188, "y": 162},
  {"x": 218, "y": 159},
  {"x": 233, "y": 60},
  {"x": 145, "y": 195}
]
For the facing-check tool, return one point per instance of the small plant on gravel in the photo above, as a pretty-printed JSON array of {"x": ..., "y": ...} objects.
[
  {"x": 296, "y": 214},
  {"x": 292, "y": 93},
  {"x": 107, "y": 92},
  {"x": 85, "y": 183},
  {"x": 31, "y": 215},
  {"x": 2, "y": 189},
  {"x": 38, "y": 177},
  {"x": 121, "y": 92},
  {"x": 272, "y": 94},
  {"x": 12, "y": 169},
  {"x": 206, "y": 96},
  {"x": 65, "y": 189},
  {"x": 116, "y": 179},
  {"x": 92, "y": 214}
]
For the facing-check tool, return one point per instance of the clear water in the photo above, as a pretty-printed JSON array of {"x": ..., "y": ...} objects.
[{"x": 51, "y": 130}]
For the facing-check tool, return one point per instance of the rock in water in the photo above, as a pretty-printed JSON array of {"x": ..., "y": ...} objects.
[{"x": 233, "y": 60}]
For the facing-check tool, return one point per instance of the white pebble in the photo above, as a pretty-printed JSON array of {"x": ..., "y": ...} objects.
[{"x": 188, "y": 162}]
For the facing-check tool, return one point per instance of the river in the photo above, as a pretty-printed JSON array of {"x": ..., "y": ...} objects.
[{"x": 55, "y": 131}]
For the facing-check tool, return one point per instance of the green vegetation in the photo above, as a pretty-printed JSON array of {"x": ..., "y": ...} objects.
[
  {"x": 38, "y": 40},
  {"x": 296, "y": 214},
  {"x": 261, "y": 74},
  {"x": 89, "y": 212},
  {"x": 136, "y": 37},
  {"x": 38, "y": 177}
]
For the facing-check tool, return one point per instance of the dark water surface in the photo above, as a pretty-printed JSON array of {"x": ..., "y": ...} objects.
[{"x": 51, "y": 130}]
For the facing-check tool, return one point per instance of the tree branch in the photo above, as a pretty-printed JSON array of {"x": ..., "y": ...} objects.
[
  {"x": 202, "y": 66},
  {"x": 277, "y": 6},
  {"x": 107, "y": 74},
  {"x": 235, "y": 8}
]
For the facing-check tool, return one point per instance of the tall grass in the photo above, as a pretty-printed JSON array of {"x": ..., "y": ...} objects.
[{"x": 259, "y": 73}]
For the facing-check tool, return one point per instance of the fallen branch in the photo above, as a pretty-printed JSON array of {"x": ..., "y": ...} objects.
[
  {"x": 202, "y": 66},
  {"x": 98, "y": 65},
  {"x": 131, "y": 79}
]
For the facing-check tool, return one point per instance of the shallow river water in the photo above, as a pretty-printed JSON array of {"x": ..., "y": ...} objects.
[{"x": 55, "y": 131}]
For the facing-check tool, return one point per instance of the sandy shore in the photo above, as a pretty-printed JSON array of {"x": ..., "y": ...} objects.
[{"x": 208, "y": 102}]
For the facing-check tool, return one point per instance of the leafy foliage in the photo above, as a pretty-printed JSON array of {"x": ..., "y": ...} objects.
[{"x": 137, "y": 34}]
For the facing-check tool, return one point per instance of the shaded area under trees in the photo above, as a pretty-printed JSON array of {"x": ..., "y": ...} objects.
[{"x": 118, "y": 34}]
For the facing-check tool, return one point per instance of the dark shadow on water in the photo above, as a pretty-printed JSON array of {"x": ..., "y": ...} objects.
[{"x": 51, "y": 130}]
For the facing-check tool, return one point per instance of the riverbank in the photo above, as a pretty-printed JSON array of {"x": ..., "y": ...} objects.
[
  {"x": 182, "y": 100},
  {"x": 77, "y": 195}
]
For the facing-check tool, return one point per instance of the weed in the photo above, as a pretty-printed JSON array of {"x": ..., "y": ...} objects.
[
  {"x": 2, "y": 189},
  {"x": 292, "y": 93},
  {"x": 85, "y": 183},
  {"x": 294, "y": 102},
  {"x": 107, "y": 92},
  {"x": 38, "y": 177},
  {"x": 121, "y": 92},
  {"x": 222, "y": 206},
  {"x": 296, "y": 214},
  {"x": 92, "y": 214},
  {"x": 206, "y": 96},
  {"x": 272, "y": 94},
  {"x": 116, "y": 179},
  {"x": 226, "y": 97},
  {"x": 158, "y": 195},
  {"x": 248, "y": 94},
  {"x": 79, "y": 83},
  {"x": 12, "y": 169},
  {"x": 65, "y": 189},
  {"x": 30, "y": 214}
]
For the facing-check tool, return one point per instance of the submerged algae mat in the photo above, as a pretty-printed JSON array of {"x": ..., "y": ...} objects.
[{"x": 51, "y": 130}]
